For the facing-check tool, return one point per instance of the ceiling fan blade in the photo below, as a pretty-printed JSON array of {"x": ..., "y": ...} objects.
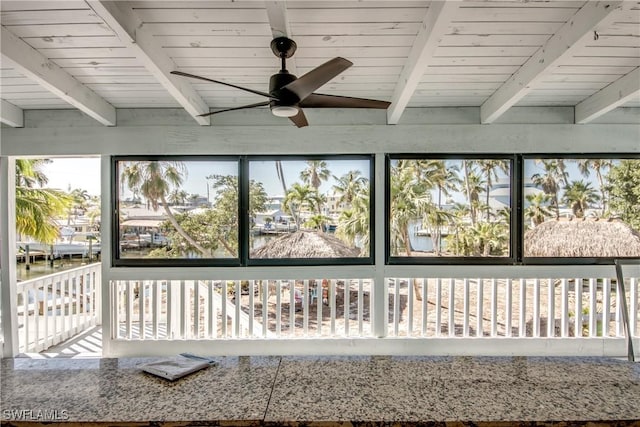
[
  {"x": 257, "y": 92},
  {"x": 306, "y": 84},
  {"x": 299, "y": 119},
  {"x": 259, "y": 104},
  {"x": 317, "y": 100}
]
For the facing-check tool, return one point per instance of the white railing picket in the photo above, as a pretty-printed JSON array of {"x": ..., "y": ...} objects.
[
  {"x": 564, "y": 308},
  {"x": 452, "y": 308},
  {"x": 508, "y": 309},
  {"x": 360, "y": 307},
  {"x": 536, "y": 309},
  {"x": 578, "y": 307},
  {"x": 522, "y": 310},
  {"x": 593, "y": 308},
  {"x": 479, "y": 307},
  {"x": 633, "y": 308},
  {"x": 465, "y": 307},
  {"x": 425, "y": 300},
  {"x": 606, "y": 306},
  {"x": 305, "y": 307},
  {"x": 346, "y": 306},
  {"x": 278, "y": 308},
  {"x": 438, "y": 307},
  {"x": 292, "y": 308}
]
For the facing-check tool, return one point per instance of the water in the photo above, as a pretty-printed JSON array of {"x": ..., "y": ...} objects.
[{"x": 41, "y": 268}]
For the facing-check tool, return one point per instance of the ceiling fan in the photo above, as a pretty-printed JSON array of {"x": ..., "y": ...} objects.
[{"x": 289, "y": 94}]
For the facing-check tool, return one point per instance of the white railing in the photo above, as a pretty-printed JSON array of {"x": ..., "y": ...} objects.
[
  {"x": 513, "y": 313},
  {"x": 220, "y": 309},
  {"x": 518, "y": 308},
  {"x": 54, "y": 308}
]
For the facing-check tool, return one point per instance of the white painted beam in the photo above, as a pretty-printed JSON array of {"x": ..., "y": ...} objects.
[
  {"x": 280, "y": 27},
  {"x": 11, "y": 115},
  {"x": 8, "y": 289},
  {"x": 354, "y": 139},
  {"x": 434, "y": 27},
  {"x": 610, "y": 97},
  {"x": 571, "y": 37},
  {"x": 35, "y": 66},
  {"x": 119, "y": 16}
]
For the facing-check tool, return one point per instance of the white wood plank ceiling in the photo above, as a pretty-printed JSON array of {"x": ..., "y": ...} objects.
[{"x": 99, "y": 56}]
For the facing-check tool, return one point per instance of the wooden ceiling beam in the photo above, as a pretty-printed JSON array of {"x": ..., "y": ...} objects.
[
  {"x": 11, "y": 115},
  {"x": 569, "y": 39},
  {"x": 119, "y": 16},
  {"x": 434, "y": 27},
  {"x": 38, "y": 68},
  {"x": 610, "y": 97}
]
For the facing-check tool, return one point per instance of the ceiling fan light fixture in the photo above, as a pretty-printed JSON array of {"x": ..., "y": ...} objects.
[{"x": 284, "y": 110}]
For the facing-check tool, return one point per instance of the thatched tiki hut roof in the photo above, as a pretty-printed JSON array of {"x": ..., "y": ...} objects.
[
  {"x": 305, "y": 244},
  {"x": 582, "y": 238}
]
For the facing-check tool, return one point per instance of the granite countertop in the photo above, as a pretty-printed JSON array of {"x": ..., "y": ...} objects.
[{"x": 324, "y": 391}]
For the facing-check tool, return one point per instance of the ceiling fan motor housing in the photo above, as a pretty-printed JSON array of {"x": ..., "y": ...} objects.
[{"x": 283, "y": 97}]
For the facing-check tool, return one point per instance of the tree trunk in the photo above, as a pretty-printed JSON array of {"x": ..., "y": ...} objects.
[
  {"x": 468, "y": 190},
  {"x": 180, "y": 230},
  {"x": 416, "y": 289}
]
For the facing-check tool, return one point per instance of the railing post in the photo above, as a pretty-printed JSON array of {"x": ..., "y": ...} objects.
[
  {"x": 625, "y": 313},
  {"x": 379, "y": 287},
  {"x": 8, "y": 293}
]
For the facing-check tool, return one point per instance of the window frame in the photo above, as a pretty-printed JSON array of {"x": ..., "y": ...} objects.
[
  {"x": 514, "y": 194},
  {"x": 117, "y": 261},
  {"x": 529, "y": 260},
  {"x": 244, "y": 178},
  {"x": 368, "y": 260}
]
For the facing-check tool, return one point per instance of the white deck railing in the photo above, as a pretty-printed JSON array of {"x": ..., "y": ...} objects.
[
  {"x": 490, "y": 307},
  {"x": 529, "y": 315},
  {"x": 214, "y": 309},
  {"x": 56, "y": 307}
]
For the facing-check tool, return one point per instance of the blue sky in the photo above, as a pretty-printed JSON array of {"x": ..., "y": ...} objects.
[{"x": 84, "y": 173}]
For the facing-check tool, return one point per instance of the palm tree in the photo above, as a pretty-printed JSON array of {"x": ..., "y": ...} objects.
[
  {"x": 315, "y": 173},
  {"x": 36, "y": 208},
  {"x": 598, "y": 165},
  {"x": 487, "y": 236},
  {"x": 538, "y": 209},
  {"x": 409, "y": 200},
  {"x": 285, "y": 191},
  {"x": 298, "y": 197},
  {"x": 579, "y": 195},
  {"x": 177, "y": 197},
  {"x": 473, "y": 185},
  {"x": 349, "y": 185},
  {"x": 79, "y": 199},
  {"x": 459, "y": 212},
  {"x": 317, "y": 222},
  {"x": 155, "y": 180},
  {"x": 550, "y": 180},
  {"x": 434, "y": 219},
  {"x": 490, "y": 168},
  {"x": 353, "y": 223}
]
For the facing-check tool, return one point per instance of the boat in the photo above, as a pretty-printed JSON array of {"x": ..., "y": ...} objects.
[{"x": 60, "y": 250}]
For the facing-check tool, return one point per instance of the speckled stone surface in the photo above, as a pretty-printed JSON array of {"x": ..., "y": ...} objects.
[{"x": 329, "y": 390}]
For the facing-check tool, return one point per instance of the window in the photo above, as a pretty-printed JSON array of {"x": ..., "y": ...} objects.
[
  {"x": 176, "y": 211},
  {"x": 449, "y": 208},
  {"x": 311, "y": 209},
  {"x": 581, "y": 207}
]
